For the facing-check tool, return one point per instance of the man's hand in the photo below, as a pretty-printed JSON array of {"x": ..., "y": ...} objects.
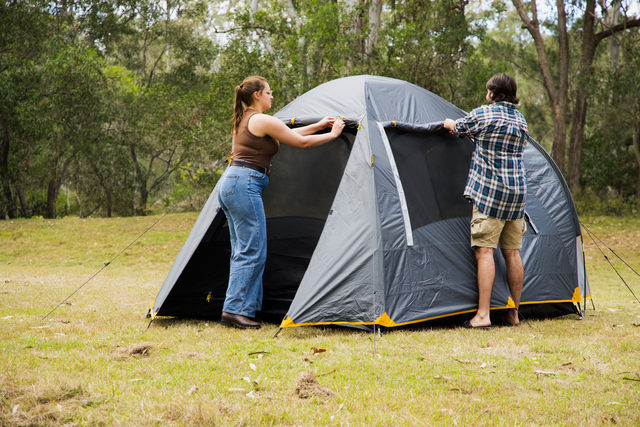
[{"x": 450, "y": 126}]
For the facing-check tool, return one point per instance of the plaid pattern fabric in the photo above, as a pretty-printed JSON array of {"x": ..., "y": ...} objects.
[{"x": 497, "y": 183}]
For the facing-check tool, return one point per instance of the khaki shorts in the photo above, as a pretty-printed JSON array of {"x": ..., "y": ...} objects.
[{"x": 492, "y": 233}]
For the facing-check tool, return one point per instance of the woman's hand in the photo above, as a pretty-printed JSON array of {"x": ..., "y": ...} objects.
[
  {"x": 337, "y": 127},
  {"x": 327, "y": 122}
]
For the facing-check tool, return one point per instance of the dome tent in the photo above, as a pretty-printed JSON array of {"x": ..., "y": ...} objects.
[{"x": 372, "y": 228}]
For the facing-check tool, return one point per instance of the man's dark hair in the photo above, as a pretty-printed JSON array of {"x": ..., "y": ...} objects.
[{"x": 504, "y": 88}]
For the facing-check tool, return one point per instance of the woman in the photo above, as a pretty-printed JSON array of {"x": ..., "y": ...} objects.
[{"x": 256, "y": 138}]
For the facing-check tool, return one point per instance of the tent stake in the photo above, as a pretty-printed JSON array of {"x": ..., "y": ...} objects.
[{"x": 277, "y": 332}]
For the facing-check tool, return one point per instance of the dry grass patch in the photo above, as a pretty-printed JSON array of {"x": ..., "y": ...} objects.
[
  {"x": 27, "y": 406},
  {"x": 94, "y": 362},
  {"x": 307, "y": 386},
  {"x": 135, "y": 350}
]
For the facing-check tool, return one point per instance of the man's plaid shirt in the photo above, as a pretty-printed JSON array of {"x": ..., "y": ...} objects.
[{"x": 497, "y": 183}]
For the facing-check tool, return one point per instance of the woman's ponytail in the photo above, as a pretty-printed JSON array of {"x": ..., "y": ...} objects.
[
  {"x": 238, "y": 109},
  {"x": 244, "y": 94}
]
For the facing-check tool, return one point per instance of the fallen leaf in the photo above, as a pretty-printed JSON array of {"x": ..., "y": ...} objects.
[
  {"x": 441, "y": 377},
  {"x": 545, "y": 373},
  {"x": 483, "y": 365},
  {"x": 613, "y": 309},
  {"x": 135, "y": 379},
  {"x": 247, "y": 379},
  {"x": 318, "y": 350},
  {"x": 253, "y": 367},
  {"x": 251, "y": 394},
  {"x": 7, "y": 317},
  {"x": 15, "y": 409},
  {"x": 193, "y": 390},
  {"x": 39, "y": 327}
]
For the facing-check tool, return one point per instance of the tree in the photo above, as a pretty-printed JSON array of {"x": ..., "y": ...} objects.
[{"x": 558, "y": 93}]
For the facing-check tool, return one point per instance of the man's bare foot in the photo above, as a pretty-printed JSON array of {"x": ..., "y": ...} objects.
[{"x": 511, "y": 318}]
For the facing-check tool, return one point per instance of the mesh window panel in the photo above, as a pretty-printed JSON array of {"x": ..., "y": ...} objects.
[{"x": 433, "y": 169}]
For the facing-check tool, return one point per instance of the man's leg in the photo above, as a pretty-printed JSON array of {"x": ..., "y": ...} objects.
[
  {"x": 515, "y": 277},
  {"x": 486, "y": 276}
]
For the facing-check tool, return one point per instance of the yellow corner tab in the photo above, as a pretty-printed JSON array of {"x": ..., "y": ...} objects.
[
  {"x": 394, "y": 123},
  {"x": 385, "y": 320},
  {"x": 287, "y": 322},
  {"x": 293, "y": 120},
  {"x": 576, "y": 296},
  {"x": 511, "y": 303}
]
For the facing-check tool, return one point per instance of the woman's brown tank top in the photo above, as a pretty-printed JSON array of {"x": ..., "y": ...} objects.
[{"x": 254, "y": 149}]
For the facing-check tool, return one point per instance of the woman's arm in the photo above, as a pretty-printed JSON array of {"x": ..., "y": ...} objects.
[
  {"x": 262, "y": 125},
  {"x": 327, "y": 122}
]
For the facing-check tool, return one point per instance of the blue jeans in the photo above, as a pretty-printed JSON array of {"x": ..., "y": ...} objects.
[{"x": 240, "y": 196}]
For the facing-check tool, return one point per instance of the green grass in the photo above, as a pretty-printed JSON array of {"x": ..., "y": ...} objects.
[{"x": 93, "y": 361}]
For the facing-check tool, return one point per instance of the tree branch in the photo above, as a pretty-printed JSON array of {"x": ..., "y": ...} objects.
[
  {"x": 533, "y": 27},
  {"x": 616, "y": 29}
]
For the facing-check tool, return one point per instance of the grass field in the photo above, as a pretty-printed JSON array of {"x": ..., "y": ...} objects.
[{"x": 94, "y": 362}]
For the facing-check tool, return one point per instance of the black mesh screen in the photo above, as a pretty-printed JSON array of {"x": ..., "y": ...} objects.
[{"x": 433, "y": 169}]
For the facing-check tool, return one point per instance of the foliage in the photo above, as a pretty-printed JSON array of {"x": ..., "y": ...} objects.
[{"x": 120, "y": 104}]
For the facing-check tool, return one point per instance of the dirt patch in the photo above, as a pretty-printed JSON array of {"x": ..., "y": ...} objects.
[
  {"x": 308, "y": 386},
  {"x": 135, "y": 350}
]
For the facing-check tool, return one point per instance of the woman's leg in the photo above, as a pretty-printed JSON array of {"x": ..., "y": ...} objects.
[{"x": 243, "y": 205}]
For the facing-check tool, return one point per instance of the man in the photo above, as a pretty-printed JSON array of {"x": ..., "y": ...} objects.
[{"x": 497, "y": 187}]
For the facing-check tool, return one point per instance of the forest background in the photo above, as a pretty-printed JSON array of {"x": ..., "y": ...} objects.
[{"x": 123, "y": 107}]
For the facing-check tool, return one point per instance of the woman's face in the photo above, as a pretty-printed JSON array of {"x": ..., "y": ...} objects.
[{"x": 263, "y": 99}]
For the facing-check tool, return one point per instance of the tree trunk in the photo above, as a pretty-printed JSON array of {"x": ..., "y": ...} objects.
[
  {"x": 559, "y": 149},
  {"x": 375, "y": 13},
  {"x": 302, "y": 45},
  {"x": 52, "y": 198},
  {"x": 580, "y": 108},
  {"x": 109, "y": 203},
  {"x": 142, "y": 205},
  {"x": 611, "y": 17},
  {"x": 558, "y": 97},
  {"x": 636, "y": 146},
  {"x": 7, "y": 204},
  {"x": 26, "y": 212}
]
